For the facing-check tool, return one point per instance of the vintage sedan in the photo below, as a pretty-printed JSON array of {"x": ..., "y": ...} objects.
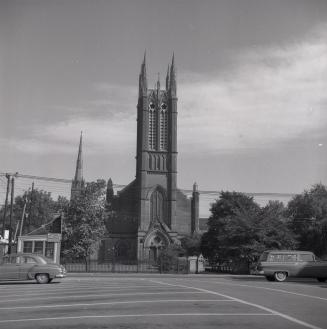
[
  {"x": 277, "y": 265},
  {"x": 30, "y": 267}
]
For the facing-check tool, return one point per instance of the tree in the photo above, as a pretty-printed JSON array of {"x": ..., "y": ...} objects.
[
  {"x": 239, "y": 230},
  {"x": 85, "y": 227},
  {"x": 231, "y": 234},
  {"x": 192, "y": 245},
  {"x": 39, "y": 209},
  {"x": 169, "y": 257},
  {"x": 308, "y": 216},
  {"x": 273, "y": 231}
]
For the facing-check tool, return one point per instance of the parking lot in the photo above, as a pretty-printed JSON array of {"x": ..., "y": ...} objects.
[{"x": 163, "y": 301}]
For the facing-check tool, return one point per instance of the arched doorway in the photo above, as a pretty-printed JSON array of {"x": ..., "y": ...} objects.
[{"x": 156, "y": 243}]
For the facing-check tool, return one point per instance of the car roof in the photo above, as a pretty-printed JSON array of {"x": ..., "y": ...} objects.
[{"x": 288, "y": 251}]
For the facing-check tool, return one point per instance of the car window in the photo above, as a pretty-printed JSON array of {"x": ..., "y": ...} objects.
[
  {"x": 290, "y": 258},
  {"x": 282, "y": 258},
  {"x": 306, "y": 258},
  {"x": 275, "y": 258},
  {"x": 10, "y": 260},
  {"x": 29, "y": 260}
]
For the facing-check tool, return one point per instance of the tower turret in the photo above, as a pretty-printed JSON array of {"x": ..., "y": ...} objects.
[{"x": 195, "y": 209}]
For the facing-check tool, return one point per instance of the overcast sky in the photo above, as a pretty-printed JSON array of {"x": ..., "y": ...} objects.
[{"x": 252, "y": 91}]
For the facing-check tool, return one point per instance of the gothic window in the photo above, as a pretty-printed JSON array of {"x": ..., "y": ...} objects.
[
  {"x": 152, "y": 126},
  {"x": 157, "y": 203},
  {"x": 150, "y": 161},
  {"x": 163, "y": 127}
]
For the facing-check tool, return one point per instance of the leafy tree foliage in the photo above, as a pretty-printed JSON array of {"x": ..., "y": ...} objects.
[
  {"x": 308, "y": 215},
  {"x": 169, "y": 257},
  {"x": 192, "y": 245},
  {"x": 239, "y": 230},
  {"x": 39, "y": 209},
  {"x": 273, "y": 231},
  {"x": 85, "y": 227}
]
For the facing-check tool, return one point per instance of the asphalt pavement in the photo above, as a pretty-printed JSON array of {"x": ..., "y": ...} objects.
[{"x": 163, "y": 301}]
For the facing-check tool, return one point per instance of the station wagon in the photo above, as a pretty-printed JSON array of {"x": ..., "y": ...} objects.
[{"x": 277, "y": 265}]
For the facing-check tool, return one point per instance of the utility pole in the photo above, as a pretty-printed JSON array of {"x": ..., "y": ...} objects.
[
  {"x": 22, "y": 220},
  {"x": 30, "y": 209},
  {"x": 5, "y": 210},
  {"x": 11, "y": 210}
]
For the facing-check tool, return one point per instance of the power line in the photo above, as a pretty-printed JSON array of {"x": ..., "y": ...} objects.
[{"x": 187, "y": 191}]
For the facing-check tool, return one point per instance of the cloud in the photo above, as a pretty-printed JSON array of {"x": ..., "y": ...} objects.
[{"x": 273, "y": 95}]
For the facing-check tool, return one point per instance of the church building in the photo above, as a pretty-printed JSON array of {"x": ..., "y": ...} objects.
[{"x": 150, "y": 213}]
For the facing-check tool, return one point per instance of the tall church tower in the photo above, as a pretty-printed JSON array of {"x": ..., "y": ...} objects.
[
  {"x": 156, "y": 161},
  {"x": 78, "y": 181}
]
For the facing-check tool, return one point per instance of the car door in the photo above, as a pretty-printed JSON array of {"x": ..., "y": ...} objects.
[
  {"x": 307, "y": 263},
  {"x": 26, "y": 264},
  {"x": 9, "y": 268}
]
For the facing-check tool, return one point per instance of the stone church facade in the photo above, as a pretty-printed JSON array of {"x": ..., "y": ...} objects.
[{"x": 150, "y": 213}]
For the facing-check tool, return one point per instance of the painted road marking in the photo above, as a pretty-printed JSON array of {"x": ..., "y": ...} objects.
[
  {"x": 136, "y": 316},
  {"x": 265, "y": 288},
  {"x": 55, "y": 292},
  {"x": 285, "y": 316},
  {"x": 104, "y": 295},
  {"x": 118, "y": 303}
]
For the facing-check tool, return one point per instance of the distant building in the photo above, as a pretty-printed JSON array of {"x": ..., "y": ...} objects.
[{"x": 150, "y": 213}]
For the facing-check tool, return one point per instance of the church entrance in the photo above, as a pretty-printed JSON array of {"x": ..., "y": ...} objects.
[
  {"x": 156, "y": 243},
  {"x": 153, "y": 254}
]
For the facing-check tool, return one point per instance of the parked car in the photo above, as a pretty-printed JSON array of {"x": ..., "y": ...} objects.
[
  {"x": 30, "y": 267},
  {"x": 277, "y": 265}
]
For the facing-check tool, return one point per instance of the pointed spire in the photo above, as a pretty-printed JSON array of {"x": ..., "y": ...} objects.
[
  {"x": 167, "y": 79},
  {"x": 158, "y": 82},
  {"x": 172, "y": 82},
  {"x": 143, "y": 85},
  {"x": 79, "y": 162}
]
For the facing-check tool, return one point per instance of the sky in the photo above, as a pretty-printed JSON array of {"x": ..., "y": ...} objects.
[{"x": 251, "y": 83}]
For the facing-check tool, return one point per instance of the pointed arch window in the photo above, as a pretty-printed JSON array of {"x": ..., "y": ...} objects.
[
  {"x": 158, "y": 206},
  {"x": 163, "y": 127},
  {"x": 152, "y": 126}
]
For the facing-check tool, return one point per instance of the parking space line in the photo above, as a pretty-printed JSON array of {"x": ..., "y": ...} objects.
[
  {"x": 285, "y": 316},
  {"x": 47, "y": 292},
  {"x": 117, "y": 303},
  {"x": 135, "y": 316},
  {"x": 264, "y": 288},
  {"x": 103, "y": 295}
]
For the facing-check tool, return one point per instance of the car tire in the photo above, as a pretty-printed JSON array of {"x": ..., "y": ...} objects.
[
  {"x": 42, "y": 278},
  {"x": 322, "y": 279},
  {"x": 280, "y": 276},
  {"x": 270, "y": 278}
]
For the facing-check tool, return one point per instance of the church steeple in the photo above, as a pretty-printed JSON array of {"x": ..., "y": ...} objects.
[
  {"x": 78, "y": 182},
  {"x": 167, "y": 79},
  {"x": 172, "y": 82},
  {"x": 143, "y": 84}
]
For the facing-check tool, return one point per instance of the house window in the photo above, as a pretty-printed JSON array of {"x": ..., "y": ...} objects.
[
  {"x": 49, "y": 249},
  {"x": 28, "y": 246},
  {"x": 38, "y": 247}
]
